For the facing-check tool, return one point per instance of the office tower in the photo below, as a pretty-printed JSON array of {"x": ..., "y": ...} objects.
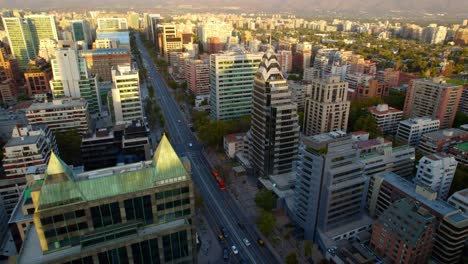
[
  {"x": 126, "y": 98},
  {"x": 403, "y": 233},
  {"x": 217, "y": 29},
  {"x": 112, "y": 23},
  {"x": 42, "y": 27},
  {"x": 20, "y": 39},
  {"x": 170, "y": 40},
  {"x": 377, "y": 155},
  {"x": 410, "y": 131},
  {"x": 326, "y": 109},
  {"x": 28, "y": 147},
  {"x": 72, "y": 79},
  {"x": 441, "y": 140},
  {"x": 387, "y": 118},
  {"x": 459, "y": 200},
  {"x": 330, "y": 188},
  {"x": 101, "y": 61},
  {"x": 138, "y": 213},
  {"x": 274, "y": 127},
  {"x": 133, "y": 20},
  {"x": 433, "y": 98},
  {"x": 450, "y": 235},
  {"x": 232, "y": 77},
  {"x": 38, "y": 76},
  {"x": 152, "y": 21},
  {"x": 213, "y": 45},
  {"x": 80, "y": 31},
  {"x": 197, "y": 74},
  {"x": 61, "y": 115},
  {"x": 9, "y": 69},
  {"x": 285, "y": 59},
  {"x": 300, "y": 90},
  {"x": 436, "y": 171}
]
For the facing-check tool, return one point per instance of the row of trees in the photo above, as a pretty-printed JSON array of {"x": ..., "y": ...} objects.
[
  {"x": 154, "y": 113},
  {"x": 212, "y": 132}
]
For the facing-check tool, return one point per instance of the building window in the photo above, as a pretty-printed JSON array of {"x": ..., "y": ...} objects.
[
  {"x": 114, "y": 256},
  {"x": 146, "y": 252},
  {"x": 175, "y": 246},
  {"x": 139, "y": 208},
  {"x": 85, "y": 260},
  {"x": 107, "y": 214}
]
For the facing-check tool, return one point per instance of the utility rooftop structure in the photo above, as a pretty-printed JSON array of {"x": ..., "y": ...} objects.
[{"x": 139, "y": 211}]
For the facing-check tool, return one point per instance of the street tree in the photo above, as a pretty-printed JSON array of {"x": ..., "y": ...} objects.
[
  {"x": 266, "y": 223},
  {"x": 265, "y": 199},
  {"x": 292, "y": 258}
]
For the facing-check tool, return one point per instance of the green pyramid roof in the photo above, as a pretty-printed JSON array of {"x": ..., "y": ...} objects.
[
  {"x": 166, "y": 161},
  {"x": 58, "y": 166}
]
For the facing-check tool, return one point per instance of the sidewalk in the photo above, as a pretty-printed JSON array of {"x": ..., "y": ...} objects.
[{"x": 210, "y": 250}]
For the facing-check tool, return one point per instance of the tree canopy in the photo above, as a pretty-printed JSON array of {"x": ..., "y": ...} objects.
[
  {"x": 266, "y": 223},
  {"x": 291, "y": 258},
  {"x": 265, "y": 199}
]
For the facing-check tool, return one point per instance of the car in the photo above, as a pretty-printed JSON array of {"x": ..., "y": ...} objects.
[
  {"x": 178, "y": 120},
  {"x": 190, "y": 144},
  {"x": 246, "y": 241},
  {"x": 223, "y": 230},
  {"x": 225, "y": 253},
  {"x": 260, "y": 242},
  {"x": 220, "y": 238},
  {"x": 234, "y": 249}
]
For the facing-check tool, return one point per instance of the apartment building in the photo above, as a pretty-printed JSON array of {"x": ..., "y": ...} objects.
[
  {"x": 410, "y": 131},
  {"x": 442, "y": 140},
  {"x": 387, "y": 118},
  {"x": 436, "y": 171},
  {"x": 126, "y": 104}
]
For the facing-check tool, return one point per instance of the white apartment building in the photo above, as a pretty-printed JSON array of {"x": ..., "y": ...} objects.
[
  {"x": 60, "y": 115},
  {"x": 460, "y": 200},
  {"x": 218, "y": 29},
  {"x": 386, "y": 117},
  {"x": 410, "y": 130},
  {"x": 232, "y": 75},
  {"x": 112, "y": 23},
  {"x": 126, "y": 98},
  {"x": 436, "y": 171}
]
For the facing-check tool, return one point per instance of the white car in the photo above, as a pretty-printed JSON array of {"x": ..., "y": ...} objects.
[
  {"x": 246, "y": 241},
  {"x": 234, "y": 250},
  {"x": 190, "y": 144}
]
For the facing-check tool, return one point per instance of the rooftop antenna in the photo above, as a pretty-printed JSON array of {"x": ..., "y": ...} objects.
[{"x": 270, "y": 41}]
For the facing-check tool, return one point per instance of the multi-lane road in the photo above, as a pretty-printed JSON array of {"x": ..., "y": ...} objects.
[{"x": 222, "y": 210}]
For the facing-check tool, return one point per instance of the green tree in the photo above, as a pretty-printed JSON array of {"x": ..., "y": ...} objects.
[
  {"x": 266, "y": 223},
  {"x": 460, "y": 180},
  {"x": 301, "y": 119},
  {"x": 69, "y": 144},
  {"x": 150, "y": 91},
  {"x": 366, "y": 122},
  {"x": 308, "y": 246},
  {"x": 460, "y": 119},
  {"x": 292, "y": 258},
  {"x": 395, "y": 99},
  {"x": 265, "y": 199}
]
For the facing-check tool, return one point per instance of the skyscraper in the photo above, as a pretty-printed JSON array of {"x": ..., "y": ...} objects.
[
  {"x": 433, "y": 98},
  {"x": 330, "y": 188},
  {"x": 126, "y": 98},
  {"x": 170, "y": 40},
  {"x": 327, "y": 108},
  {"x": 20, "y": 39},
  {"x": 232, "y": 77},
  {"x": 71, "y": 79},
  {"x": 275, "y": 129},
  {"x": 197, "y": 74},
  {"x": 136, "y": 213},
  {"x": 42, "y": 27},
  {"x": 80, "y": 31}
]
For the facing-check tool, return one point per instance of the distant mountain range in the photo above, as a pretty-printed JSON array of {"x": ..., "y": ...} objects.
[{"x": 303, "y": 6}]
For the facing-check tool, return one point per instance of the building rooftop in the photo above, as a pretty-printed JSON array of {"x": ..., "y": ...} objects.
[
  {"x": 20, "y": 141},
  {"x": 104, "y": 51},
  {"x": 418, "y": 121},
  {"x": 57, "y": 104},
  {"x": 445, "y": 133},
  {"x": 235, "y": 137},
  {"x": 439, "y": 206},
  {"x": 62, "y": 187},
  {"x": 383, "y": 109},
  {"x": 463, "y": 146}
]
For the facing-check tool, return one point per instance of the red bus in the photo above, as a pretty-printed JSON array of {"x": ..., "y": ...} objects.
[
  {"x": 221, "y": 184},
  {"x": 214, "y": 173}
]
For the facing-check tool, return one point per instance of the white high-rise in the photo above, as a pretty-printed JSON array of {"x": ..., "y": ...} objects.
[
  {"x": 71, "y": 79},
  {"x": 126, "y": 98},
  {"x": 232, "y": 76},
  {"x": 218, "y": 29},
  {"x": 436, "y": 171}
]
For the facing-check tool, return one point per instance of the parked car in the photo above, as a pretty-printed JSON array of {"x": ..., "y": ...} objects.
[
  {"x": 234, "y": 249},
  {"x": 260, "y": 242},
  {"x": 225, "y": 253}
]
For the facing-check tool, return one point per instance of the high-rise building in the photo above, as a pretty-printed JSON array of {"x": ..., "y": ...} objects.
[
  {"x": 441, "y": 140},
  {"x": 285, "y": 59},
  {"x": 114, "y": 29},
  {"x": 38, "y": 76},
  {"x": 386, "y": 118},
  {"x": 463, "y": 105},
  {"x": 80, "y": 31},
  {"x": 152, "y": 21},
  {"x": 232, "y": 76},
  {"x": 20, "y": 39},
  {"x": 61, "y": 115},
  {"x": 170, "y": 40},
  {"x": 112, "y": 23},
  {"x": 126, "y": 98},
  {"x": 42, "y": 27},
  {"x": 460, "y": 152},
  {"x": 403, "y": 233},
  {"x": 275, "y": 127},
  {"x": 433, "y": 98},
  {"x": 410, "y": 131},
  {"x": 138, "y": 213},
  {"x": 436, "y": 171},
  {"x": 326, "y": 109},
  {"x": 450, "y": 236},
  {"x": 197, "y": 74},
  {"x": 460, "y": 200},
  {"x": 9, "y": 69},
  {"x": 100, "y": 61},
  {"x": 8, "y": 92},
  {"x": 217, "y": 29},
  {"x": 330, "y": 188},
  {"x": 72, "y": 79},
  {"x": 213, "y": 45}
]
